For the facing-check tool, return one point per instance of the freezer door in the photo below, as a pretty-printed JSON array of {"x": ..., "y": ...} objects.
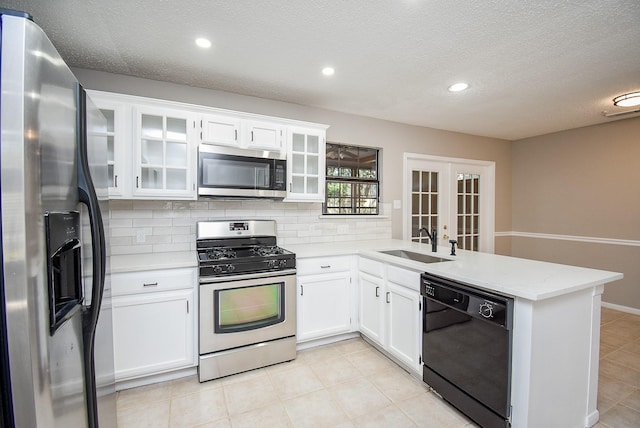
[{"x": 38, "y": 167}]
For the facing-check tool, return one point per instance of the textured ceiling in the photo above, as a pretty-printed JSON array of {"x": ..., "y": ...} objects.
[{"x": 533, "y": 67}]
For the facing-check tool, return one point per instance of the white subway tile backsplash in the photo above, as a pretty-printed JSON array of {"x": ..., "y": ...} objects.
[{"x": 164, "y": 226}]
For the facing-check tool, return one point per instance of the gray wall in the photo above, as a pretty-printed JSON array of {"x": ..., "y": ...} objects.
[{"x": 582, "y": 183}]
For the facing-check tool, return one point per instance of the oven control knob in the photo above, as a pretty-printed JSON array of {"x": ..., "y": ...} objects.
[
  {"x": 486, "y": 310},
  {"x": 272, "y": 263},
  {"x": 217, "y": 269},
  {"x": 283, "y": 263},
  {"x": 231, "y": 268}
]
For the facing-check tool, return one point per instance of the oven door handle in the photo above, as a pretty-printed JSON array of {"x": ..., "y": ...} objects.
[{"x": 241, "y": 277}]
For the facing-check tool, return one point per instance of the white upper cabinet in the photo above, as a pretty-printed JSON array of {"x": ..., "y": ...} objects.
[
  {"x": 241, "y": 132},
  {"x": 220, "y": 129},
  {"x": 263, "y": 135},
  {"x": 118, "y": 146},
  {"x": 165, "y": 152},
  {"x": 305, "y": 164},
  {"x": 153, "y": 146}
]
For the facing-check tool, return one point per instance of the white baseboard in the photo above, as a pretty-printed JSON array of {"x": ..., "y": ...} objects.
[
  {"x": 592, "y": 419},
  {"x": 621, "y": 308}
]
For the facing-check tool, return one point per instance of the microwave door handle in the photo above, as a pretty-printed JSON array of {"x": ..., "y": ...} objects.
[{"x": 87, "y": 195}]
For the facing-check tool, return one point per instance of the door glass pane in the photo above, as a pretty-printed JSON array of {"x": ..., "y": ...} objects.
[
  {"x": 415, "y": 181},
  {"x": 312, "y": 185},
  {"x": 297, "y": 164},
  {"x": 176, "y": 154},
  {"x": 176, "y": 129},
  {"x": 151, "y": 178},
  {"x": 110, "y": 150},
  {"x": 176, "y": 179},
  {"x": 298, "y": 142},
  {"x": 312, "y": 164},
  {"x": 313, "y": 145},
  {"x": 297, "y": 184},
  {"x": 468, "y": 210},
  {"x": 152, "y": 152},
  {"x": 424, "y": 201},
  {"x": 152, "y": 126},
  {"x": 109, "y": 115}
]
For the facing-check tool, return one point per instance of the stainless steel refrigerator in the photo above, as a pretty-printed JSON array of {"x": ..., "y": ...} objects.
[{"x": 56, "y": 345}]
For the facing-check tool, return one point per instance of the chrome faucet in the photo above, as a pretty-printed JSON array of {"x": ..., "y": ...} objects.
[{"x": 433, "y": 237}]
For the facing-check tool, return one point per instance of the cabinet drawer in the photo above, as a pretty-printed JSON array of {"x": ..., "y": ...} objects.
[
  {"x": 323, "y": 265},
  {"x": 372, "y": 267},
  {"x": 153, "y": 281},
  {"x": 404, "y": 277}
]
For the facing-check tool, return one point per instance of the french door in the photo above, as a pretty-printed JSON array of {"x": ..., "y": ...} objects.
[{"x": 453, "y": 196}]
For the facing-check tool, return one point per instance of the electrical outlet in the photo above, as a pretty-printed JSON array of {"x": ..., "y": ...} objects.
[
  {"x": 140, "y": 236},
  {"x": 343, "y": 228}
]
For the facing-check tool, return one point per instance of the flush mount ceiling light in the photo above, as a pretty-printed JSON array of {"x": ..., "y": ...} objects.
[
  {"x": 627, "y": 100},
  {"x": 457, "y": 87},
  {"x": 328, "y": 71},
  {"x": 203, "y": 43}
]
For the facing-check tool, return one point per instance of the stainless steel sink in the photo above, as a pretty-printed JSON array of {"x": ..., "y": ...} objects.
[{"x": 418, "y": 257}]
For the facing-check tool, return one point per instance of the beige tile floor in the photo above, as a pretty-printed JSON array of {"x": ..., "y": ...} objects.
[
  {"x": 619, "y": 381},
  {"x": 350, "y": 384}
]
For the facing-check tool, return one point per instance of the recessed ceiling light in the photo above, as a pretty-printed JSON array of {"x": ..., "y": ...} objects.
[
  {"x": 328, "y": 71},
  {"x": 457, "y": 87},
  {"x": 203, "y": 43},
  {"x": 627, "y": 100}
]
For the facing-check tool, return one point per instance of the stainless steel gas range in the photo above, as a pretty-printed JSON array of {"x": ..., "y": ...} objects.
[{"x": 247, "y": 297}]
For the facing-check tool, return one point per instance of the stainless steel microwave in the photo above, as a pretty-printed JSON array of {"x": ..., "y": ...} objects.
[{"x": 232, "y": 172}]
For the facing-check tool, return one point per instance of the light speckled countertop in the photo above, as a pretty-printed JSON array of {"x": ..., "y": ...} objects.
[
  {"x": 528, "y": 279},
  {"x": 151, "y": 261}
]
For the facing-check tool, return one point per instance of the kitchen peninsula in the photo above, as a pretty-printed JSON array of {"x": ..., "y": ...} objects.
[
  {"x": 556, "y": 329},
  {"x": 556, "y": 333}
]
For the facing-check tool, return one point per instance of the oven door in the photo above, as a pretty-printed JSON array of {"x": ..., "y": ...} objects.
[
  {"x": 226, "y": 171},
  {"x": 245, "y": 310}
]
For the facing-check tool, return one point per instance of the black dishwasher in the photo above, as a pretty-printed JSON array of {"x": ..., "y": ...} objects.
[{"x": 466, "y": 348}]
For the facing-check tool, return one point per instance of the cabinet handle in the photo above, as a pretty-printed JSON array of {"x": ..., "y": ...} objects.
[
  {"x": 236, "y": 134},
  {"x": 388, "y": 297},
  {"x": 150, "y": 284},
  {"x": 377, "y": 291},
  {"x": 251, "y": 136},
  {"x": 115, "y": 179},
  {"x": 187, "y": 306},
  {"x": 325, "y": 266},
  {"x": 137, "y": 178},
  {"x": 301, "y": 290}
]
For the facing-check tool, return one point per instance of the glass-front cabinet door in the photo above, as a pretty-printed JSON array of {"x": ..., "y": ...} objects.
[
  {"x": 164, "y": 153},
  {"x": 305, "y": 164},
  {"x": 115, "y": 113}
]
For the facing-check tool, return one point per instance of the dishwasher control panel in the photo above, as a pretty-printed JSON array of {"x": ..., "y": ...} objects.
[{"x": 464, "y": 298}]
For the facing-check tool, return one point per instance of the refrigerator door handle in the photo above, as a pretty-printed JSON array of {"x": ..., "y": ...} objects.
[{"x": 87, "y": 196}]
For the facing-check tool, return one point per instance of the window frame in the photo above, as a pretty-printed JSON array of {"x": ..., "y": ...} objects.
[{"x": 354, "y": 182}]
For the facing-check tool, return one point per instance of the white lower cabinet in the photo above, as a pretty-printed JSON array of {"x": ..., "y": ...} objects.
[
  {"x": 390, "y": 310},
  {"x": 153, "y": 322},
  {"x": 372, "y": 307},
  {"x": 324, "y": 297},
  {"x": 403, "y": 325}
]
